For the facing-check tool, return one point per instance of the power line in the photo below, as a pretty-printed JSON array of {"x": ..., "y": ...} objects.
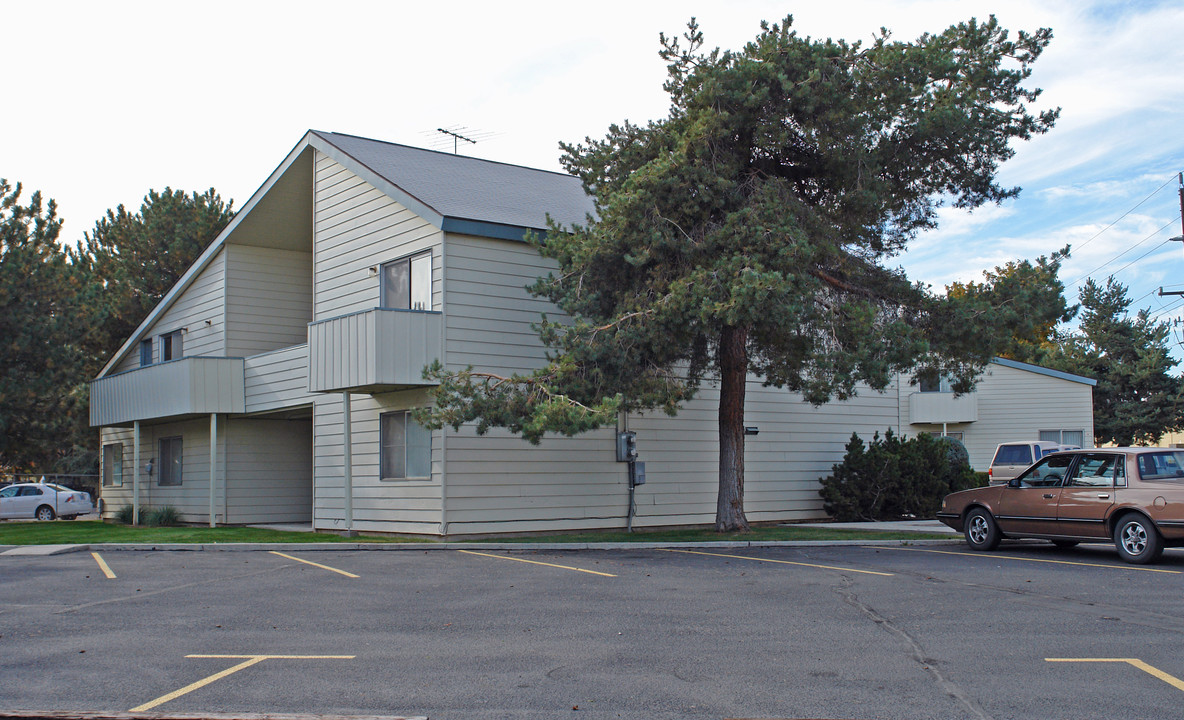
[
  {"x": 1128, "y": 212},
  {"x": 1124, "y": 252}
]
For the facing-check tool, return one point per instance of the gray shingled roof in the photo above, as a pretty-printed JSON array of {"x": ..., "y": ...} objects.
[{"x": 470, "y": 189}]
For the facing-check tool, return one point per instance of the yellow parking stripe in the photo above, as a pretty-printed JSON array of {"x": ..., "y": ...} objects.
[
  {"x": 103, "y": 566},
  {"x": 1025, "y": 559},
  {"x": 249, "y": 661},
  {"x": 309, "y": 562},
  {"x": 1134, "y": 662},
  {"x": 783, "y": 562},
  {"x": 535, "y": 562}
]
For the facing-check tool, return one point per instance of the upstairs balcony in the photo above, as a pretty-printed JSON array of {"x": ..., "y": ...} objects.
[
  {"x": 376, "y": 350},
  {"x": 175, "y": 389},
  {"x": 935, "y": 408}
]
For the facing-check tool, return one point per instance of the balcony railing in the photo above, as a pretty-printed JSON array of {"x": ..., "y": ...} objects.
[
  {"x": 372, "y": 350},
  {"x": 189, "y": 386},
  {"x": 934, "y": 408}
]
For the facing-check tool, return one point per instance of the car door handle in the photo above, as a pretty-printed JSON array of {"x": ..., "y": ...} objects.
[
  {"x": 1103, "y": 496},
  {"x": 1049, "y": 496}
]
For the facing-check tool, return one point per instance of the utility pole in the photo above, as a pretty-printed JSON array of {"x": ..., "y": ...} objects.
[{"x": 1180, "y": 238}]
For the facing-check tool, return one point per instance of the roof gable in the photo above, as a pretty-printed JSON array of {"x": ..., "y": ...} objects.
[{"x": 455, "y": 193}]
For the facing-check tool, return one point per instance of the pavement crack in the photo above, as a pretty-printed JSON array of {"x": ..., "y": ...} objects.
[
  {"x": 916, "y": 652},
  {"x": 173, "y": 588}
]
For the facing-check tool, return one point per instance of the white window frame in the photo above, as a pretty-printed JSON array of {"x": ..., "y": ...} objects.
[
  {"x": 171, "y": 346},
  {"x": 419, "y": 283},
  {"x": 400, "y": 456},
  {"x": 172, "y": 461},
  {"x": 113, "y": 465}
]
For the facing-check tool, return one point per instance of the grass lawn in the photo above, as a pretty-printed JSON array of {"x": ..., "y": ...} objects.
[{"x": 85, "y": 532}]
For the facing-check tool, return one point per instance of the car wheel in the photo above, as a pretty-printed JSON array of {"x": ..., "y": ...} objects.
[
  {"x": 1137, "y": 539},
  {"x": 981, "y": 531},
  {"x": 44, "y": 512},
  {"x": 1065, "y": 543}
]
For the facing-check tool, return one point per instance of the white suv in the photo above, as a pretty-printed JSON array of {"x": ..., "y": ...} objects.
[{"x": 1012, "y": 458}]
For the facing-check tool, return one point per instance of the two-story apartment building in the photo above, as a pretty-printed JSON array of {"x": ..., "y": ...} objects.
[{"x": 273, "y": 382}]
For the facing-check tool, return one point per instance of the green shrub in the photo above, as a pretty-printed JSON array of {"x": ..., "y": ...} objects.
[
  {"x": 893, "y": 478},
  {"x": 125, "y": 515},
  {"x": 166, "y": 516}
]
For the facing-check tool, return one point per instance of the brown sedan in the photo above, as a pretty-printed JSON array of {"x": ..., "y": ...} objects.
[{"x": 1132, "y": 496}]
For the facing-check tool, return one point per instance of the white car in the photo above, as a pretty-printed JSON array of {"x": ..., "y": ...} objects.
[{"x": 43, "y": 501}]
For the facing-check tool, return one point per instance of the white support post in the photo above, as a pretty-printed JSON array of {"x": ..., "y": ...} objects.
[
  {"x": 213, "y": 464},
  {"x": 348, "y": 464},
  {"x": 136, "y": 472}
]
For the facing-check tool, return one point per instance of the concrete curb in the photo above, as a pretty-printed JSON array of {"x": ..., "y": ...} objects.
[
  {"x": 91, "y": 715},
  {"x": 426, "y": 547}
]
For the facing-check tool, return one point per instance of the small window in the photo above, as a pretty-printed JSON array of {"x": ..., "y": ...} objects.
[
  {"x": 170, "y": 346},
  {"x": 406, "y": 450},
  {"x": 934, "y": 384},
  {"x": 146, "y": 352},
  {"x": 1064, "y": 437},
  {"x": 1049, "y": 472},
  {"x": 1161, "y": 466},
  {"x": 938, "y": 434},
  {"x": 407, "y": 283},
  {"x": 1097, "y": 470},
  {"x": 171, "y": 450},
  {"x": 113, "y": 465},
  {"x": 1013, "y": 455}
]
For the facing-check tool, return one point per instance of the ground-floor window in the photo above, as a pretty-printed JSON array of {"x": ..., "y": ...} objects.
[
  {"x": 1065, "y": 437},
  {"x": 406, "y": 450},
  {"x": 170, "y": 461},
  {"x": 937, "y": 433},
  {"x": 113, "y": 465}
]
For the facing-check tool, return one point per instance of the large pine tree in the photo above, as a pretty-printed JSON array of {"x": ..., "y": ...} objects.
[
  {"x": 39, "y": 353},
  {"x": 750, "y": 231}
]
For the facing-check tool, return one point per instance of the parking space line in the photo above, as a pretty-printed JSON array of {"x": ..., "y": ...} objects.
[
  {"x": 782, "y": 562},
  {"x": 103, "y": 566},
  {"x": 1134, "y": 662},
  {"x": 249, "y": 660},
  {"x": 536, "y": 562},
  {"x": 309, "y": 562},
  {"x": 1025, "y": 559}
]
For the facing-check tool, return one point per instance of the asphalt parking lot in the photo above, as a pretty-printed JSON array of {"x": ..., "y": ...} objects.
[{"x": 916, "y": 631}]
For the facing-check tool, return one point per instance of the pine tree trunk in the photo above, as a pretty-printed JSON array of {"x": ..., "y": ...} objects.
[{"x": 733, "y": 370}]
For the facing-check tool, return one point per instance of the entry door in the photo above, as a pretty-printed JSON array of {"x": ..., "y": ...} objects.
[
  {"x": 1028, "y": 504},
  {"x": 1089, "y": 493}
]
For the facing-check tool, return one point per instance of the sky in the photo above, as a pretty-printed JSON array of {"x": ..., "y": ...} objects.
[{"x": 111, "y": 99}]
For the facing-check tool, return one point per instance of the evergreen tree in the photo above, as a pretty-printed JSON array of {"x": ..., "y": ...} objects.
[
  {"x": 134, "y": 258},
  {"x": 39, "y": 354},
  {"x": 1033, "y": 289},
  {"x": 1136, "y": 399},
  {"x": 749, "y": 231}
]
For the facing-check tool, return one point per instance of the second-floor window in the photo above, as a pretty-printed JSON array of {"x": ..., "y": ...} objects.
[
  {"x": 170, "y": 346},
  {"x": 407, "y": 283},
  {"x": 934, "y": 383},
  {"x": 145, "y": 352}
]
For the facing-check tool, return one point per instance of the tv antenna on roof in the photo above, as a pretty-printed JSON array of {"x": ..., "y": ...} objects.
[
  {"x": 457, "y": 133},
  {"x": 456, "y": 137}
]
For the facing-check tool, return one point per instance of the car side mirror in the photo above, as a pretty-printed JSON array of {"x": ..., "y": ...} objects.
[{"x": 1014, "y": 482}]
